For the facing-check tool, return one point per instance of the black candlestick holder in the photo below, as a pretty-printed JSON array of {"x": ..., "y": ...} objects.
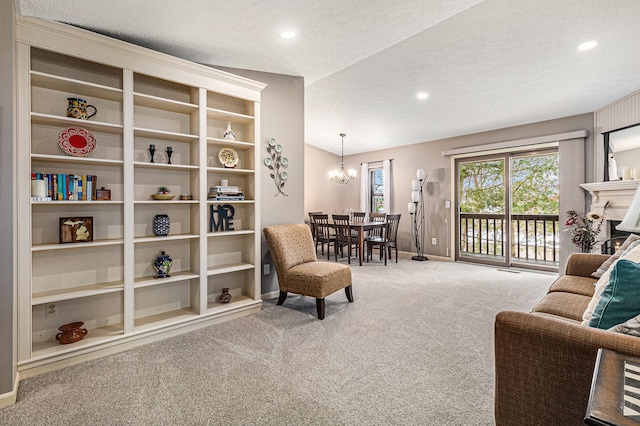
[
  {"x": 169, "y": 152},
  {"x": 152, "y": 151}
]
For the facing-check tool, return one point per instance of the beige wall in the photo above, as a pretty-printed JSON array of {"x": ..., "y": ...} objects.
[
  {"x": 282, "y": 118},
  {"x": 427, "y": 155},
  {"x": 7, "y": 279}
]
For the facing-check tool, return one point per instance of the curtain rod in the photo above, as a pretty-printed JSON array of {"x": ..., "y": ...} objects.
[{"x": 378, "y": 161}]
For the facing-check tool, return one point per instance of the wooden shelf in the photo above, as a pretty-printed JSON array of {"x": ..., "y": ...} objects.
[
  {"x": 43, "y": 297},
  {"x": 174, "y": 277},
  {"x": 76, "y": 203},
  {"x": 147, "y": 165},
  {"x": 225, "y": 269},
  {"x": 164, "y": 135},
  {"x": 230, "y": 201},
  {"x": 228, "y": 143},
  {"x": 94, "y": 336},
  {"x": 222, "y": 115},
  {"x": 164, "y": 319},
  {"x": 69, "y": 85},
  {"x": 236, "y": 302},
  {"x": 56, "y": 120},
  {"x": 159, "y": 202},
  {"x": 167, "y": 238},
  {"x": 227, "y": 170},
  {"x": 76, "y": 160},
  {"x": 219, "y": 234},
  {"x": 164, "y": 104},
  {"x": 74, "y": 246}
]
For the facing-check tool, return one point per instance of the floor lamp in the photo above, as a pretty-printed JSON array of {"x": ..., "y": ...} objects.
[{"x": 416, "y": 210}]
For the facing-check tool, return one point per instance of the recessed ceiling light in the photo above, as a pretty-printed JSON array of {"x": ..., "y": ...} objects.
[
  {"x": 287, "y": 35},
  {"x": 587, "y": 45},
  {"x": 422, "y": 95}
]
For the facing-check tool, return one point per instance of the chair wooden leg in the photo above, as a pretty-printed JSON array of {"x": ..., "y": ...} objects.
[
  {"x": 320, "y": 308},
  {"x": 384, "y": 249},
  {"x": 348, "y": 290},
  {"x": 281, "y": 299}
]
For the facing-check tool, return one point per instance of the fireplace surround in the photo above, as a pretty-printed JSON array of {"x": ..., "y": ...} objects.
[{"x": 619, "y": 193}]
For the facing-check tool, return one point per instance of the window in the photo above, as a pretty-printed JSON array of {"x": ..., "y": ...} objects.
[{"x": 377, "y": 190}]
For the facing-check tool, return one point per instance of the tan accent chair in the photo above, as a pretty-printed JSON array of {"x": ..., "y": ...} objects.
[{"x": 298, "y": 269}]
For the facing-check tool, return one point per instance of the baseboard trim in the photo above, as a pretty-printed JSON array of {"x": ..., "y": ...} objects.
[
  {"x": 270, "y": 295},
  {"x": 9, "y": 398}
]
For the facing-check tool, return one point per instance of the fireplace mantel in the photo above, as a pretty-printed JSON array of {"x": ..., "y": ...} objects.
[{"x": 619, "y": 194}]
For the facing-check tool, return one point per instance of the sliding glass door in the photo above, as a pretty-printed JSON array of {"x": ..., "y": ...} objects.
[{"x": 507, "y": 209}]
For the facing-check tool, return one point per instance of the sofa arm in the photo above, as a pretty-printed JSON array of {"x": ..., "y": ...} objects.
[
  {"x": 584, "y": 264},
  {"x": 544, "y": 366}
]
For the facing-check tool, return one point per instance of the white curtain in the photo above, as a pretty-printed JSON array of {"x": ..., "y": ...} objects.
[
  {"x": 364, "y": 187},
  {"x": 386, "y": 176}
]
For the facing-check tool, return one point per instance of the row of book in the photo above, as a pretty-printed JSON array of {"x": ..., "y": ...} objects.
[
  {"x": 225, "y": 193},
  {"x": 63, "y": 187}
]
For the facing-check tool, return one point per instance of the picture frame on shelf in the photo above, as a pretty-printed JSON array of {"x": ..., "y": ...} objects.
[{"x": 76, "y": 229}]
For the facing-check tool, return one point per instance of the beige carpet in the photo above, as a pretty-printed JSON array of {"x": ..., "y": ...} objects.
[{"x": 415, "y": 348}]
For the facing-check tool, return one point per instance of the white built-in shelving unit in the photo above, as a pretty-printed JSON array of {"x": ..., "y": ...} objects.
[{"x": 142, "y": 97}]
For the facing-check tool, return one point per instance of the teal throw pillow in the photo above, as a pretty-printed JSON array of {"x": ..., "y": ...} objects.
[{"x": 620, "y": 298}]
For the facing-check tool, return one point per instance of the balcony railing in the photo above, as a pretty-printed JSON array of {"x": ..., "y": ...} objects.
[{"x": 534, "y": 237}]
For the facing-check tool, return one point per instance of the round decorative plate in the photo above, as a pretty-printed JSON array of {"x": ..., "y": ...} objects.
[
  {"x": 268, "y": 161},
  {"x": 77, "y": 141},
  {"x": 228, "y": 157},
  {"x": 272, "y": 142},
  {"x": 163, "y": 196}
]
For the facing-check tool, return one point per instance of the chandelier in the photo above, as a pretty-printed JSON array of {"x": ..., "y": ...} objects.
[{"x": 341, "y": 175}]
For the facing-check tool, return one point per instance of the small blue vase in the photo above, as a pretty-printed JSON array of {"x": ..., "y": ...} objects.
[{"x": 162, "y": 263}]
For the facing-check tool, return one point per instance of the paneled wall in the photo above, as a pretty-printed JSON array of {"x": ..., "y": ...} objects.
[{"x": 619, "y": 114}]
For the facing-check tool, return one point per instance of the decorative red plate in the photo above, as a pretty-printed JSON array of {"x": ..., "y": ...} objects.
[{"x": 77, "y": 141}]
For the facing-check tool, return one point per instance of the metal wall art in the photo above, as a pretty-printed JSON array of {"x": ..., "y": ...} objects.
[{"x": 277, "y": 163}]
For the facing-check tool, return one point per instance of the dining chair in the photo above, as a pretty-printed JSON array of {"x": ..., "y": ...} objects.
[
  {"x": 387, "y": 240},
  {"x": 343, "y": 236},
  {"x": 375, "y": 232},
  {"x": 357, "y": 217},
  {"x": 324, "y": 233},
  {"x": 312, "y": 225},
  {"x": 293, "y": 253}
]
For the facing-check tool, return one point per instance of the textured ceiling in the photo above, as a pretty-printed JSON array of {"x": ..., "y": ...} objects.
[{"x": 485, "y": 64}]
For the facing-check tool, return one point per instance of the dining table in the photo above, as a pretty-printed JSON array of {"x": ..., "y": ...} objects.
[{"x": 361, "y": 228}]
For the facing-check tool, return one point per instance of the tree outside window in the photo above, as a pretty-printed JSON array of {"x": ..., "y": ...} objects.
[{"x": 377, "y": 191}]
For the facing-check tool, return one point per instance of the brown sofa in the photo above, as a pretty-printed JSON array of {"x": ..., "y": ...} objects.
[{"x": 544, "y": 359}]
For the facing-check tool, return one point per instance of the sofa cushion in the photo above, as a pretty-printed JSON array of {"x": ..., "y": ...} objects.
[
  {"x": 563, "y": 304},
  {"x": 615, "y": 256},
  {"x": 632, "y": 253},
  {"x": 573, "y": 284},
  {"x": 620, "y": 299}
]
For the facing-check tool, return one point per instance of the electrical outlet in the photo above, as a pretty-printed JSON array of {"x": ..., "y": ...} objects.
[
  {"x": 447, "y": 204},
  {"x": 266, "y": 269},
  {"x": 51, "y": 310},
  {"x": 434, "y": 241}
]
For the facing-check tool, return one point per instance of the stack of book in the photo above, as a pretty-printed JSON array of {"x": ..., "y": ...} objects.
[
  {"x": 63, "y": 187},
  {"x": 225, "y": 193}
]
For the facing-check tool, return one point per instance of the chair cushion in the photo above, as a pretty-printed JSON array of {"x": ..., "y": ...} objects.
[{"x": 316, "y": 279}]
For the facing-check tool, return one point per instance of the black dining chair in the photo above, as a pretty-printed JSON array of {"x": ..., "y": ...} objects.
[
  {"x": 343, "y": 236},
  {"x": 387, "y": 240},
  {"x": 324, "y": 232}
]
